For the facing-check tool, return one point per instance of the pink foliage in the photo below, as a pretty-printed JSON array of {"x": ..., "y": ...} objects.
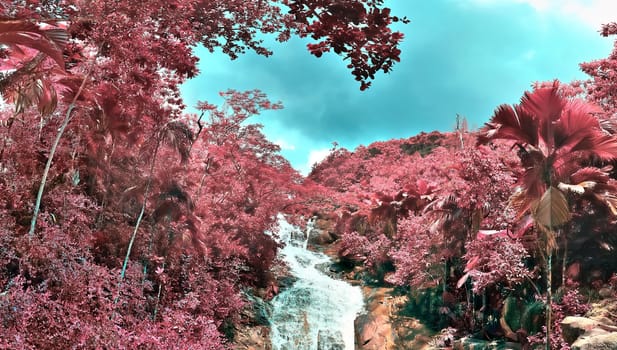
[
  {"x": 496, "y": 260},
  {"x": 417, "y": 256},
  {"x": 572, "y": 304}
]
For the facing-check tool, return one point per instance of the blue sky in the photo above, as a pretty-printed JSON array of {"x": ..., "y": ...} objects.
[{"x": 459, "y": 56}]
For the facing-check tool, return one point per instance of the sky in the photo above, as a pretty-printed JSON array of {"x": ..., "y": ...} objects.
[{"x": 459, "y": 57}]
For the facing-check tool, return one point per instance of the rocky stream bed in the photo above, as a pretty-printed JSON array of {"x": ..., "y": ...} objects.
[{"x": 374, "y": 320}]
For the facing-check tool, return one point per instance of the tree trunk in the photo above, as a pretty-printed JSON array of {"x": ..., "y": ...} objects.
[
  {"x": 564, "y": 261},
  {"x": 52, "y": 151},
  {"x": 549, "y": 297}
]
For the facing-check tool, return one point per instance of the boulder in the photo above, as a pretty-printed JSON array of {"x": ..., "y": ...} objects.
[
  {"x": 603, "y": 320},
  {"x": 597, "y": 333},
  {"x": 573, "y": 327},
  {"x": 606, "y": 341},
  {"x": 374, "y": 332},
  {"x": 252, "y": 338},
  {"x": 321, "y": 237},
  {"x": 255, "y": 332},
  {"x": 385, "y": 327},
  {"x": 606, "y": 292},
  {"x": 374, "y": 328}
]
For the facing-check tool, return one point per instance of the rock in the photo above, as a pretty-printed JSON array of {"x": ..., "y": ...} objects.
[
  {"x": 374, "y": 329},
  {"x": 604, "y": 308},
  {"x": 255, "y": 333},
  {"x": 324, "y": 224},
  {"x": 374, "y": 332},
  {"x": 597, "y": 331},
  {"x": 321, "y": 237},
  {"x": 606, "y": 292},
  {"x": 573, "y": 327},
  {"x": 286, "y": 282},
  {"x": 607, "y": 341},
  {"x": 409, "y": 333},
  {"x": 383, "y": 327},
  {"x": 330, "y": 269},
  {"x": 589, "y": 334},
  {"x": 258, "y": 312},
  {"x": 328, "y": 340},
  {"x": 336, "y": 268},
  {"x": 252, "y": 338},
  {"x": 603, "y": 320},
  {"x": 468, "y": 343}
]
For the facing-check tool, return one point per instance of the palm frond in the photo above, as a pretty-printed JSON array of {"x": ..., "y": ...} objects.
[
  {"x": 552, "y": 210},
  {"x": 565, "y": 164},
  {"x": 545, "y": 105},
  {"x": 604, "y": 147},
  {"x": 511, "y": 124},
  {"x": 26, "y": 33},
  {"x": 577, "y": 128},
  {"x": 520, "y": 202},
  {"x": 596, "y": 175}
]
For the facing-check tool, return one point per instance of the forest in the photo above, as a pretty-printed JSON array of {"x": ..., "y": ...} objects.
[{"x": 127, "y": 222}]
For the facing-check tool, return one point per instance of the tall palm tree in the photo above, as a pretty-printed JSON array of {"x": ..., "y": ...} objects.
[{"x": 560, "y": 144}]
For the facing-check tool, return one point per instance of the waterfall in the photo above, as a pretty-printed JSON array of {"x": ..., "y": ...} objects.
[
  {"x": 310, "y": 226},
  {"x": 317, "y": 312}
]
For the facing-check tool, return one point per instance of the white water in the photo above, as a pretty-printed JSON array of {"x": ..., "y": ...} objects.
[{"x": 317, "y": 312}]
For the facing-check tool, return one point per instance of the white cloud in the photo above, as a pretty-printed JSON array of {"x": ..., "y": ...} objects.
[
  {"x": 590, "y": 12},
  {"x": 284, "y": 145},
  {"x": 314, "y": 156},
  {"x": 593, "y": 12}
]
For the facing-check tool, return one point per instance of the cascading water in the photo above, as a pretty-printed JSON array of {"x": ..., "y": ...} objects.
[{"x": 317, "y": 312}]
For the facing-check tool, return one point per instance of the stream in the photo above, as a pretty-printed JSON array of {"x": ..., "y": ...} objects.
[{"x": 317, "y": 312}]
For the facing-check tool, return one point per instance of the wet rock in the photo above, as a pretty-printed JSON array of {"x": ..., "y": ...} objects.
[
  {"x": 334, "y": 270},
  {"x": 257, "y": 311},
  {"x": 286, "y": 282},
  {"x": 326, "y": 268},
  {"x": 261, "y": 312},
  {"x": 328, "y": 340},
  {"x": 282, "y": 275},
  {"x": 254, "y": 333},
  {"x": 468, "y": 343}
]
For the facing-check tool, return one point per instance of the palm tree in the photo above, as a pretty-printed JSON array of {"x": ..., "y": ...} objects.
[
  {"x": 560, "y": 143},
  {"x": 23, "y": 81}
]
